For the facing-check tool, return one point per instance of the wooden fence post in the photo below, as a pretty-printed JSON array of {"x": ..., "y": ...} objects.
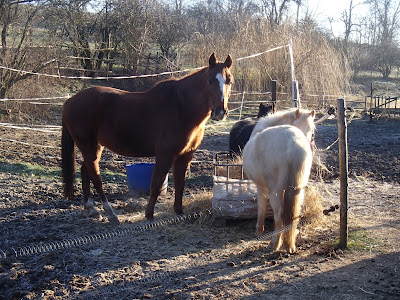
[
  {"x": 241, "y": 106},
  {"x": 273, "y": 93},
  {"x": 365, "y": 103},
  {"x": 343, "y": 168}
]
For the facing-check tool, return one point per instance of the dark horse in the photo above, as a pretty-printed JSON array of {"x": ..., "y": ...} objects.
[
  {"x": 241, "y": 131},
  {"x": 166, "y": 122}
]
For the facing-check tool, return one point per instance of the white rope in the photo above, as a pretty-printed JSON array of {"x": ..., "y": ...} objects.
[
  {"x": 34, "y": 99},
  {"x": 29, "y": 144},
  {"x": 30, "y": 154},
  {"x": 100, "y": 77},
  {"x": 261, "y": 53},
  {"x": 56, "y": 129},
  {"x": 124, "y": 159},
  {"x": 131, "y": 76}
]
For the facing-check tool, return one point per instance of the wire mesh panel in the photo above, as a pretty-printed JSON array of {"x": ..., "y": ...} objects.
[{"x": 234, "y": 196}]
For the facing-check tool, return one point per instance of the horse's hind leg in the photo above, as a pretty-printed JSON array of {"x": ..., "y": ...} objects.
[
  {"x": 92, "y": 165},
  {"x": 86, "y": 199},
  {"x": 276, "y": 201},
  {"x": 179, "y": 172},
  {"x": 262, "y": 201}
]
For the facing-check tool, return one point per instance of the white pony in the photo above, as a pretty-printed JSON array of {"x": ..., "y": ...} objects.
[{"x": 278, "y": 159}]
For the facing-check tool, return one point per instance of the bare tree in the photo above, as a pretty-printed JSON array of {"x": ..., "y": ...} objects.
[
  {"x": 385, "y": 52},
  {"x": 135, "y": 20},
  {"x": 18, "y": 16},
  {"x": 347, "y": 19},
  {"x": 275, "y": 10},
  {"x": 169, "y": 31},
  {"x": 299, "y": 3},
  {"x": 87, "y": 34}
]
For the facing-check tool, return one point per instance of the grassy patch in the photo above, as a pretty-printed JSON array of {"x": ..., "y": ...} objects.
[
  {"x": 113, "y": 177},
  {"x": 359, "y": 240},
  {"x": 27, "y": 169}
]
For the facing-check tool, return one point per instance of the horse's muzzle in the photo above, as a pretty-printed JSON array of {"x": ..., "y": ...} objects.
[{"x": 218, "y": 114}]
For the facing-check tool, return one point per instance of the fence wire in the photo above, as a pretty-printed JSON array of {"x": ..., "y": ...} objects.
[{"x": 94, "y": 238}]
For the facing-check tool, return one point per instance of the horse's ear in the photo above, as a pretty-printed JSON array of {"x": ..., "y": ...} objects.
[
  {"x": 297, "y": 114},
  {"x": 212, "y": 61},
  {"x": 313, "y": 113},
  {"x": 228, "y": 61}
]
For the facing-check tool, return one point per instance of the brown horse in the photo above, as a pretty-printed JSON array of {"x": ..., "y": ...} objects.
[{"x": 166, "y": 122}]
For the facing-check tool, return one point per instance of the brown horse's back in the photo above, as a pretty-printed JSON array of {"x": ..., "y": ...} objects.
[{"x": 130, "y": 124}]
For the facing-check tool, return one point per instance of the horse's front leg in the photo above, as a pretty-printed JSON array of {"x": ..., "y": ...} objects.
[
  {"x": 86, "y": 199},
  {"x": 180, "y": 168},
  {"x": 95, "y": 177},
  {"x": 161, "y": 169}
]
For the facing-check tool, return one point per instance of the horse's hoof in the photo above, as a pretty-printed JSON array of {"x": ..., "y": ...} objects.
[
  {"x": 113, "y": 220},
  {"x": 179, "y": 211},
  {"x": 150, "y": 221},
  {"x": 259, "y": 232},
  {"x": 93, "y": 213},
  {"x": 150, "y": 217}
]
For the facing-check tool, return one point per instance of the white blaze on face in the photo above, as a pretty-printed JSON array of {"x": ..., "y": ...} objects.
[{"x": 221, "y": 81}]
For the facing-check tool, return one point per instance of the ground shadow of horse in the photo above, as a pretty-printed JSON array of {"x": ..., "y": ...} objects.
[{"x": 371, "y": 278}]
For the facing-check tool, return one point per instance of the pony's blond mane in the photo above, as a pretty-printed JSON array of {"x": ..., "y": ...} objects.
[{"x": 284, "y": 117}]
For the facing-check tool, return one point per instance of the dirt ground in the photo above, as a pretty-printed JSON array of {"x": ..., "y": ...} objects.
[{"x": 195, "y": 259}]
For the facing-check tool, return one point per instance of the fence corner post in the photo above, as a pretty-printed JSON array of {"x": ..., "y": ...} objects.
[{"x": 343, "y": 169}]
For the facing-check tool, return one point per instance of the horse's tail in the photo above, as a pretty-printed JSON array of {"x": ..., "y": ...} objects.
[
  {"x": 298, "y": 174},
  {"x": 67, "y": 162}
]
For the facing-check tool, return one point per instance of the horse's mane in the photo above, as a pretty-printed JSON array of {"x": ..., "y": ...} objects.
[
  {"x": 192, "y": 75},
  {"x": 169, "y": 82},
  {"x": 280, "y": 118}
]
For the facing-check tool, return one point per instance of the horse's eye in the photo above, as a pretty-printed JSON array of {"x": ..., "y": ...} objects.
[{"x": 228, "y": 80}]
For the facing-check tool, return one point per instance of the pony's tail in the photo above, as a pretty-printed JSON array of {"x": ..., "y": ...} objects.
[
  {"x": 293, "y": 199},
  {"x": 67, "y": 162}
]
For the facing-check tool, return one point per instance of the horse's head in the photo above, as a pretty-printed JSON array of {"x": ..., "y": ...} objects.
[
  {"x": 264, "y": 110},
  {"x": 220, "y": 82},
  {"x": 304, "y": 120}
]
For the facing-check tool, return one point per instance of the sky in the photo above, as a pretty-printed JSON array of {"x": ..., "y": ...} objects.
[{"x": 323, "y": 10}]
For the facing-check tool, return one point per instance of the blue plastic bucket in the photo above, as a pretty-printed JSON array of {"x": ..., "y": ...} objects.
[{"x": 139, "y": 178}]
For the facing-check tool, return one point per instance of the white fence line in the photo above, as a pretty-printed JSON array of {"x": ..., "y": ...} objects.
[
  {"x": 34, "y": 99},
  {"x": 29, "y": 144},
  {"x": 121, "y": 160},
  {"x": 42, "y": 128},
  {"x": 131, "y": 76}
]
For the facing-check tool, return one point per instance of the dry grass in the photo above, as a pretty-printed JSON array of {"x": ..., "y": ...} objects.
[
  {"x": 319, "y": 66},
  {"x": 312, "y": 206}
]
